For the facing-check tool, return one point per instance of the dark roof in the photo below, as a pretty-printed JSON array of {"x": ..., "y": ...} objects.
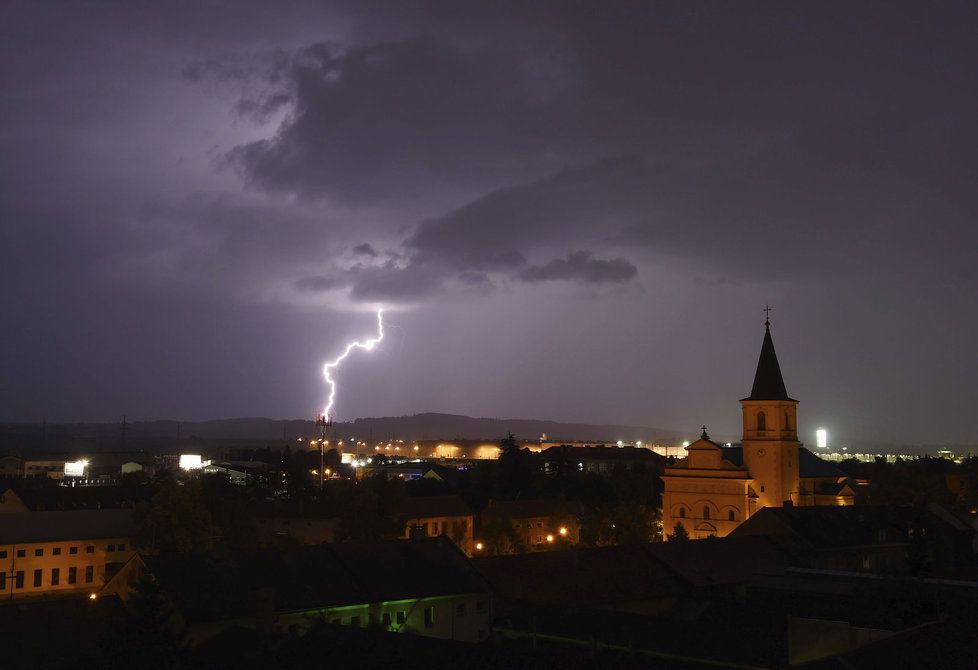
[
  {"x": 525, "y": 509},
  {"x": 714, "y": 561},
  {"x": 86, "y": 524},
  {"x": 832, "y": 526},
  {"x": 580, "y": 577},
  {"x": 432, "y": 506},
  {"x": 39, "y": 499},
  {"x": 810, "y": 465},
  {"x": 768, "y": 383},
  {"x": 208, "y": 588},
  {"x": 734, "y": 454}
]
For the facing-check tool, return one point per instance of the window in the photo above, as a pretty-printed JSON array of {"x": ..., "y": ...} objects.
[
  {"x": 706, "y": 512},
  {"x": 429, "y": 617},
  {"x": 401, "y": 616},
  {"x": 385, "y": 619},
  {"x": 38, "y": 576},
  {"x": 56, "y": 551},
  {"x": 682, "y": 512},
  {"x": 3, "y": 581},
  {"x": 460, "y": 609},
  {"x": 72, "y": 575},
  {"x": 111, "y": 547},
  {"x": 90, "y": 549},
  {"x": 19, "y": 579},
  {"x": 122, "y": 547},
  {"x": 3, "y": 554},
  {"x": 762, "y": 488},
  {"x": 21, "y": 553},
  {"x": 761, "y": 421},
  {"x": 89, "y": 573},
  {"x": 355, "y": 621},
  {"x": 787, "y": 421},
  {"x": 38, "y": 552},
  {"x": 730, "y": 515},
  {"x": 72, "y": 550},
  {"x": 480, "y": 606},
  {"x": 55, "y": 576},
  {"x": 539, "y": 524}
]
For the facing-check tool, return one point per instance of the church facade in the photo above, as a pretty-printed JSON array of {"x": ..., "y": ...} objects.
[{"x": 715, "y": 488}]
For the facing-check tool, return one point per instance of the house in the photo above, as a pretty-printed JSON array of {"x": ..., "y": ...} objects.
[
  {"x": 431, "y": 516},
  {"x": 303, "y": 522},
  {"x": 63, "y": 551},
  {"x": 52, "y": 498},
  {"x": 423, "y": 586},
  {"x": 244, "y": 473},
  {"x": 535, "y": 522},
  {"x": 885, "y": 539}
]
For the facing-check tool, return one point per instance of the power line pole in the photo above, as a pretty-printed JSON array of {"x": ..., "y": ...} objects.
[{"x": 324, "y": 422}]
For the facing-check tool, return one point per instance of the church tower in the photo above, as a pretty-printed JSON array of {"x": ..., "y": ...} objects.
[{"x": 771, "y": 432}]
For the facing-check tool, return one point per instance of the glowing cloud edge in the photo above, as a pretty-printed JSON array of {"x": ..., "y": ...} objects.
[{"x": 328, "y": 368}]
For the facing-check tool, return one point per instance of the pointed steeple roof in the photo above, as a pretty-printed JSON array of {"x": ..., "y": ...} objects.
[{"x": 768, "y": 383}]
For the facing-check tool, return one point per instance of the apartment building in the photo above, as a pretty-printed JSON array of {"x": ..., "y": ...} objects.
[{"x": 45, "y": 553}]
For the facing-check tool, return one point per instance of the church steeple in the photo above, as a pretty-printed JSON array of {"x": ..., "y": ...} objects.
[{"x": 768, "y": 382}]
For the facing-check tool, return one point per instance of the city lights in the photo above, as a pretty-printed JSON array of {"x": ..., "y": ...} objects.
[
  {"x": 76, "y": 468},
  {"x": 191, "y": 462},
  {"x": 822, "y": 438}
]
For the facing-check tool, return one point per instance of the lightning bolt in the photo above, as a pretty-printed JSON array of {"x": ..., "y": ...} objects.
[{"x": 330, "y": 367}]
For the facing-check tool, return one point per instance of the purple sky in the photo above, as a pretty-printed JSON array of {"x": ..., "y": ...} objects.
[{"x": 573, "y": 212}]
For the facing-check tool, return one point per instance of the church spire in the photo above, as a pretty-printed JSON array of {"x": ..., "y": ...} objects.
[{"x": 768, "y": 383}]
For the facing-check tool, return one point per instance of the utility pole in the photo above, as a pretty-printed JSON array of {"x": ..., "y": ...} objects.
[{"x": 324, "y": 422}]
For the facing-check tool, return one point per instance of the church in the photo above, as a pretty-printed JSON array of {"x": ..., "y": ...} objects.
[{"x": 715, "y": 488}]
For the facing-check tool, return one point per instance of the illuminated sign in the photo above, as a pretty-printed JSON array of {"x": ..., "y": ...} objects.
[
  {"x": 190, "y": 462},
  {"x": 821, "y": 438},
  {"x": 75, "y": 468}
]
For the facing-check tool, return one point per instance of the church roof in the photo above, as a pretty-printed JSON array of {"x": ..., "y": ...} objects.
[{"x": 768, "y": 383}]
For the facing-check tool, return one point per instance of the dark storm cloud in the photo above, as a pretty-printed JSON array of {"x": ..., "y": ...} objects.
[{"x": 580, "y": 267}]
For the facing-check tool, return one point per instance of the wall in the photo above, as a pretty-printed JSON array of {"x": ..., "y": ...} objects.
[{"x": 11, "y": 564}]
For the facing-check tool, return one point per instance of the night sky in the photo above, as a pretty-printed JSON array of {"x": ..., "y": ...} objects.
[{"x": 573, "y": 211}]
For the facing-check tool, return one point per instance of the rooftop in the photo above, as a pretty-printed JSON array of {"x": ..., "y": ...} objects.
[{"x": 89, "y": 524}]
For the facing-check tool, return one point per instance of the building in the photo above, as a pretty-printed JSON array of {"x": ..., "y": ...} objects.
[
  {"x": 51, "y": 497},
  {"x": 715, "y": 489},
  {"x": 599, "y": 459},
  {"x": 61, "y": 552},
  {"x": 431, "y": 516},
  {"x": 422, "y": 586},
  {"x": 302, "y": 522},
  {"x": 885, "y": 539},
  {"x": 536, "y": 523}
]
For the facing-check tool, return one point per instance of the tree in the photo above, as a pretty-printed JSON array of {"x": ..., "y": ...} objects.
[
  {"x": 679, "y": 533},
  {"x": 174, "y": 520},
  {"x": 151, "y": 636}
]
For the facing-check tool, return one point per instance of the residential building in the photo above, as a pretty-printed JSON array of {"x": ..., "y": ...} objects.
[
  {"x": 537, "y": 523},
  {"x": 423, "y": 586},
  {"x": 60, "y": 552},
  {"x": 431, "y": 516},
  {"x": 599, "y": 459}
]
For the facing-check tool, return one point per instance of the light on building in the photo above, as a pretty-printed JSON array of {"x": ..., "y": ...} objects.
[
  {"x": 821, "y": 438},
  {"x": 92, "y": 596},
  {"x": 563, "y": 531},
  {"x": 550, "y": 537},
  {"x": 75, "y": 468},
  {"x": 639, "y": 444},
  {"x": 478, "y": 546},
  {"x": 191, "y": 462}
]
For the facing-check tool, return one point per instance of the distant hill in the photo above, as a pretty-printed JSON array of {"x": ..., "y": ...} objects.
[{"x": 153, "y": 435}]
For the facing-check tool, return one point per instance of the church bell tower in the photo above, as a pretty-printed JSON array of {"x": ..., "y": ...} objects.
[{"x": 771, "y": 431}]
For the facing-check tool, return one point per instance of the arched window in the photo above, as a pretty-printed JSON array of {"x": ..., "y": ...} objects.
[
  {"x": 730, "y": 515},
  {"x": 706, "y": 512},
  {"x": 761, "y": 421},
  {"x": 682, "y": 512}
]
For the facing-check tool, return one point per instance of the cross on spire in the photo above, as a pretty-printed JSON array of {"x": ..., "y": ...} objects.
[
  {"x": 767, "y": 315},
  {"x": 704, "y": 435}
]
